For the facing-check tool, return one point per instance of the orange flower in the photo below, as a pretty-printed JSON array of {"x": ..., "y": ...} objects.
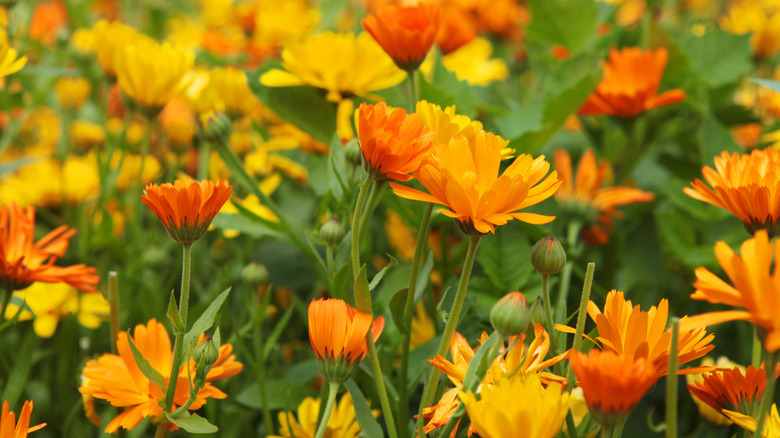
[
  {"x": 731, "y": 389},
  {"x": 463, "y": 175},
  {"x": 630, "y": 84},
  {"x": 756, "y": 288},
  {"x": 406, "y": 33},
  {"x": 457, "y": 29},
  {"x": 612, "y": 383},
  {"x": 24, "y": 261},
  {"x": 9, "y": 428},
  {"x": 747, "y": 185},
  {"x": 393, "y": 143},
  {"x": 337, "y": 332},
  {"x": 582, "y": 195},
  {"x": 186, "y": 208},
  {"x": 118, "y": 380},
  {"x": 48, "y": 19}
]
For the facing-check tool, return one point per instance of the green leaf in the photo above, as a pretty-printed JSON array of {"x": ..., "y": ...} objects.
[
  {"x": 446, "y": 89},
  {"x": 152, "y": 374},
  {"x": 270, "y": 342},
  {"x": 423, "y": 277},
  {"x": 192, "y": 423},
  {"x": 715, "y": 138},
  {"x": 570, "y": 23},
  {"x": 278, "y": 391},
  {"x": 378, "y": 277},
  {"x": 397, "y": 308},
  {"x": 717, "y": 57},
  {"x": 365, "y": 418},
  {"x": 505, "y": 258},
  {"x": 362, "y": 292},
  {"x": 174, "y": 315},
  {"x": 206, "y": 320}
]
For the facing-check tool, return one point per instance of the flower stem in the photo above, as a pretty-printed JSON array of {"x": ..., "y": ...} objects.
[
  {"x": 548, "y": 310},
  {"x": 583, "y": 310},
  {"x": 113, "y": 302},
  {"x": 431, "y": 385},
  {"x": 9, "y": 291},
  {"x": 757, "y": 348},
  {"x": 412, "y": 90},
  {"x": 618, "y": 431},
  {"x": 364, "y": 187},
  {"x": 370, "y": 205},
  {"x": 769, "y": 393},
  {"x": 333, "y": 389},
  {"x": 671, "y": 382}
]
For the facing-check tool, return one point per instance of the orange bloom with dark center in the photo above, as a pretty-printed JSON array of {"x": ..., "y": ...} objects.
[
  {"x": 24, "y": 261},
  {"x": 731, "y": 389},
  {"x": 584, "y": 197},
  {"x": 186, "y": 208},
  {"x": 9, "y": 428},
  {"x": 746, "y": 185},
  {"x": 464, "y": 176},
  {"x": 48, "y": 19},
  {"x": 118, "y": 380},
  {"x": 612, "y": 383},
  {"x": 405, "y": 33},
  {"x": 630, "y": 85},
  {"x": 756, "y": 288},
  {"x": 337, "y": 332},
  {"x": 393, "y": 143}
]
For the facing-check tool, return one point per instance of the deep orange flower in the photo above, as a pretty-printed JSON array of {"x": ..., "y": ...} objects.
[
  {"x": 118, "y": 380},
  {"x": 393, "y": 143},
  {"x": 457, "y": 29},
  {"x": 463, "y": 175},
  {"x": 583, "y": 195},
  {"x": 24, "y": 261},
  {"x": 337, "y": 332},
  {"x": 48, "y": 19},
  {"x": 186, "y": 208},
  {"x": 9, "y": 428},
  {"x": 746, "y": 185},
  {"x": 630, "y": 84},
  {"x": 406, "y": 33},
  {"x": 756, "y": 287},
  {"x": 612, "y": 383},
  {"x": 731, "y": 389}
]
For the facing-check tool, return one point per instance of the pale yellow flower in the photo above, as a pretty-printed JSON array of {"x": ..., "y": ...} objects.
[
  {"x": 761, "y": 18},
  {"x": 72, "y": 92},
  {"x": 278, "y": 23},
  {"x": 85, "y": 134},
  {"x": 472, "y": 63},
  {"x": 80, "y": 179},
  {"x": 109, "y": 39}
]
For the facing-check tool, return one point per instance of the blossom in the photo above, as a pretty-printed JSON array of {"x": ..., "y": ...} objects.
[
  {"x": 759, "y": 18},
  {"x": 464, "y": 176},
  {"x": 9, "y": 63},
  {"x": 405, "y": 33},
  {"x": 746, "y": 185},
  {"x": 337, "y": 332},
  {"x": 393, "y": 143},
  {"x": 733, "y": 389},
  {"x": 117, "y": 379},
  {"x": 24, "y": 261},
  {"x": 771, "y": 427},
  {"x": 109, "y": 38},
  {"x": 582, "y": 194},
  {"x": 229, "y": 92},
  {"x": 714, "y": 416},
  {"x": 186, "y": 208},
  {"x": 456, "y": 30},
  {"x": 341, "y": 423},
  {"x": 501, "y": 413},
  {"x": 9, "y": 428},
  {"x": 72, "y": 92},
  {"x": 472, "y": 63},
  {"x": 630, "y": 84},
  {"x": 48, "y": 19}
]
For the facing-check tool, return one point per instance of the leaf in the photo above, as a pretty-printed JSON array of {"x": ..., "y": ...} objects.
[
  {"x": 206, "y": 320},
  {"x": 397, "y": 310},
  {"x": 270, "y": 341},
  {"x": 362, "y": 292},
  {"x": 717, "y": 57},
  {"x": 365, "y": 418},
  {"x": 192, "y": 423},
  {"x": 278, "y": 392},
  {"x": 446, "y": 89},
  {"x": 715, "y": 138},
  {"x": 570, "y": 23},
  {"x": 378, "y": 277},
  {"x": 174, "y": 315},
  {"x": 152, "y": 374},
  {"x": 505, "y": 258},
  {"x": 423, "y": 277}
]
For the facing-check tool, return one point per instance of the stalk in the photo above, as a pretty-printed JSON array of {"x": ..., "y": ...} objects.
[
  {"x": 332, "y": 391},
  {"x": 583, "y": 310},
  {"x": 364, "y": 187},
  {"x": 113, "y": 301},
  {"x": 671, "y": 382},
  {"x": 412, "y": 91},
  {"x": 769, "y": 393}
]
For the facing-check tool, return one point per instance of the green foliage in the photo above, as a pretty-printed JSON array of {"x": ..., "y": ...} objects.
[{"x": 570, "y": 23}]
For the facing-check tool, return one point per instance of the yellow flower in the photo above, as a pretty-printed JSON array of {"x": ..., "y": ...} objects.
[
  {"x": 130, "y": 168},
  {"x": 82, "y": 41},
  {"x": 472, "y": 63},
  {"x": 80, "y": 178},
  {"x": 502, "y": 413},
  {"x": 771, "y": 428},
  {"x": 108, "y": 40},
  {"x": 759, "y": 17},
  {"x": 341, "y": 424},
  {"x": 9, "y": 61},
  {"x": 423, "y": 328},
  {"x": 38, "y": 137},
  {"x": 278, "y": 23},
  {"x": 252, "y": 203},
  {"x": 231, "y": 94},
  {"x": 72, "y": 92},
  {"x": 85, "y": 134},
  {"x": 217, "y": 12},
  {"x": 134, "y": 133},
  {"x": 35, "y": 184}
]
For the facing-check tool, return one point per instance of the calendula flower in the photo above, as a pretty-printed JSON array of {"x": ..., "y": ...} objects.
[
  {"x": 714, "y": 416},
  {"x": 129, "y": 169},
  {"x": 9, "y": 428},
  {"x": 337, "y": 332},
  {"x": 186, "y": 208},
  {"x": 464, "y": 176},
  {"x": 746, "y": 185},
  {"x": 9, "y": 61},
  {"x": 583, "y": 196},
  {"x": 501, "y": 413},
  {"x": 771, "y": 427},
  {"x": 393, "y": 143},
  {"x": 49, "y": 18},
  {"x": 24, "y": 261},
  {"x": 278, "y": 23},
  {"x": 117, "y": 379},
  {"x": 85, "y": 135},
  {"x": 472, "y": 63},
  {"x": 630, "y": 85},
  {"x": 109, "y": 38},
  {"x": 72, "y": 92},
  {"x": 178, "y": 121},
  {"x": 734, "y": 390},
  {"x": 80, "y": 178},
  {"x": 457, "y": 29},
  {"x": 405, "y": 33},
  {"x": 612, "y": 383},
  {"x": 759, "y": 18},
  {"x": 341, "y": 423},
  {"x": 231, "y": 94}
]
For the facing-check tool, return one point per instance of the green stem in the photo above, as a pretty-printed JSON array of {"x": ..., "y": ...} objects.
[
  {"x": 431, "y": 385},
  {"x": 769, "y": 393},
  {"x": 671, "y": 382},
  {"x": 618, "y": 431},
  {"x": 412, "y": 90},
  {"x": 572, "y": 237},
  {"x": 606, "y": 432},
  {"x": 583, "y": 310},
  {"x": 403, "y": 372},
  {"x": 113, "y": 301},
  {"x": 548, "y": 310},
  {"x": 356, "y": 217},
  {"x": 162, "y": 429},
  {"x": 373, "y": 196},
  {"x": 9, "y": 291},
  {"x": 332, "y": 391},
  {"x": 384, "y": 400},
  {"x": 757, "y": 349},
  {"x": 570, "y": 426}
]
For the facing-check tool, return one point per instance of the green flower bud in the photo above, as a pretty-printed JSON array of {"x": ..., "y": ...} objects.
[
  {"x": 254, "y": 274},
  {"x": 215, "y": 127},
  {"x": 332, "y": 232},
  {"x": 548, "y": 256},
  {"x": 353, "y": 153},
  {"x": 510, "y": 315},
  {"x": 206, "y": 352},
  {"x": 536, "y": 312}
]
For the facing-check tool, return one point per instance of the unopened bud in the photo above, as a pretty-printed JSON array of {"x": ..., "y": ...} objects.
[
  {"x": 353, "y": 153},
  {"x": 332, "y": 232},
  {"x": 214, "y": 127},
  {"x": 254, "y": 274},
  {"x": 548, "y": 256},
  {"x": 206, "y": 352},
  {"x": 536, "y": 312},
  {"x": 510, "y": 315}
]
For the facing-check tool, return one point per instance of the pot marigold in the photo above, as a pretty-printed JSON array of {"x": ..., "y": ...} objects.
[
  {"x": 186, "y": 208},
  {"x": 117, "y": 379},
  {"x": 9, "y": 428},
  {"x": 9, "y": 63},
  {"x": 631, "y": 80},
  {"x": 405, "y": 33},
  {"x": 733, "y": 390},
  {"x": 24, "y": 261},
  {"x": 771, "y": 426},
  {"x": 746, "y": 185}
]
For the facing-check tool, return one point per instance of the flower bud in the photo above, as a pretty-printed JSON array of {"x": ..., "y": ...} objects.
[
  {"x": 353, "y": 153},
  {"x": 254, "y": 274},
  {"x": 332, "y": 232},
  {"x": 536, "y": 312},
  {"x": 214, "y": 127},
  {"x": 206, "y": 352},
  {"x": 510, "y": 315},
  {"x": 548, "y": 256}
]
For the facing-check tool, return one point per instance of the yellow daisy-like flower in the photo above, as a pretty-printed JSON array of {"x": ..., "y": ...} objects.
[
  {"x": 129, "y": 167},
  {"x": 472, "y": 63},
  {"x": 228, "y": 92},
  {"x": 341, "y": 424},
  {"x": 538, "y": 413},
  {"x": 72, "y": 92},
  {"x": 80, "y": 179},
  {"x": 10, "y": 62},
  {"x": 277, "y": 23},
  {"x": 771, "y": 428},
  {"x": 759, "y": 17},
  {"x": 35, "y": 184},
  {"x": 108, "y": 39},
  {"x": 86, "y": 135}
]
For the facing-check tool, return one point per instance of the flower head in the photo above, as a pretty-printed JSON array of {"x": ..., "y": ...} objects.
[
  {"x": 406, "y": 33},
  {"x": 771, "y": 427},
  {"x": 341, "y": 423},
  {"x": 9, "y": 428},
  {"x": 393, "y": 143},
  {"x": 229, "y": 92},
  {"x": 117, "y": 379},
  {"x": 24, "y": 261},
  {"x": 186, "y": 208},
  {"x": 48, "y": 19},
  {"x": 630, "y": 84},
  {"x": 759, "y": 18},
  {"x": 746, "y": 185},
  {"x": 9, "y": 63},
  {"x": 337, "y": 333},
  {"x": 583, "y": 196},
  {"x": 733, "y": 390},
  {"x": 472, "y": 63},
  {"x": 712, "y": 415},
  {"x": 109, "y": 39}
]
